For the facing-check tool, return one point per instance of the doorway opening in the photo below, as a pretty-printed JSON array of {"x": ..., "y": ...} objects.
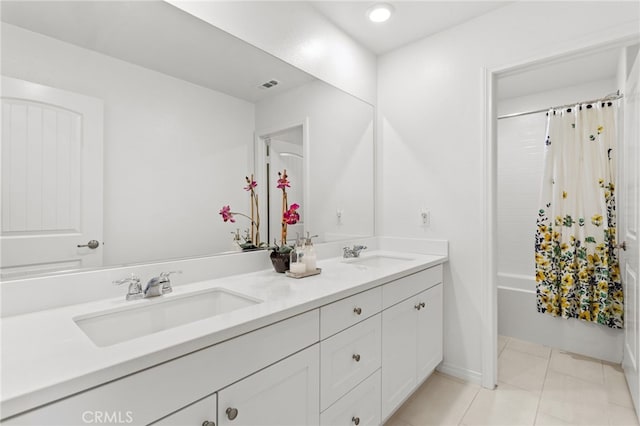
[{"x": 283, "y": 150}]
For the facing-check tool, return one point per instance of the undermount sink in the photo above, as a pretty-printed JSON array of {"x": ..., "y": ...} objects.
[
  {"x": 377, "y": 260},
  {"x": 157, "y": 314}
]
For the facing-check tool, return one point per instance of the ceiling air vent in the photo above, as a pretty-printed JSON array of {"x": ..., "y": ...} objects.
[{"x": 269, "y": 84}]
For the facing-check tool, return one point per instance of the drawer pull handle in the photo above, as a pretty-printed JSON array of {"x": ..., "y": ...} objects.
[
  {"x": 208, "y": 423},
  {"x": 418, "y": 307},
  {"x": 232, "y": 413},
  {"x": 422, "y": 304},
  {"x": 356, "y": 357},
  {"x": 355, "y": 420},
  {"x": 357, "y": 311}
]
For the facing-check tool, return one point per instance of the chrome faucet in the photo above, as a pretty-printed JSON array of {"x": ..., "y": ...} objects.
[
  {"x": 352, "y": 252},
  {"x": 157, "y": 286}
]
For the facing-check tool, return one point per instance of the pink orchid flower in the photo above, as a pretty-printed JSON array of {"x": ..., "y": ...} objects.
[
  {"x": 226, "y": 214},
  {"x": 251, "y": 184},
  {"x": 283, "y": 182},
  {"x": 291, "y": 216}
]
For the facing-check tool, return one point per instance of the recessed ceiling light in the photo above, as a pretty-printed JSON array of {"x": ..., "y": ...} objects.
[{"x": 380, "y": 12}]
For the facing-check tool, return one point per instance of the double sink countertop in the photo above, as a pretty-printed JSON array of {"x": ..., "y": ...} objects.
[{"x": 46, "y": 356}]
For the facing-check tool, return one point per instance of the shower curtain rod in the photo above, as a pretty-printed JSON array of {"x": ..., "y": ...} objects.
[{"x": 611, "y": 97}]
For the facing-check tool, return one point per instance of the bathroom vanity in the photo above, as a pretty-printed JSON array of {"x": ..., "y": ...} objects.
[{"x": 347, "y": 346}]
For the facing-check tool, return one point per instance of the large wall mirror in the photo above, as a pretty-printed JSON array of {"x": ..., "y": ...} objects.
[{"x": 133, "y": 123}]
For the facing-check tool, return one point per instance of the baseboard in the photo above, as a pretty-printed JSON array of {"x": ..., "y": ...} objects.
[{"x": 460, "y": 373}]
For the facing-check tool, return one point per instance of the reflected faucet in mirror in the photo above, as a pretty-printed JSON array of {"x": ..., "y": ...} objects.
[{"x": 354, "y": 251}]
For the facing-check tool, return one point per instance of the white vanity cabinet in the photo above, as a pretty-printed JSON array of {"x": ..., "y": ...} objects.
[
  {"x": 284, "y": 394},
  {"x": 411, "y": 335},
  {"x": 165, "y": 390},
  {"x": 350, "y": 362}
]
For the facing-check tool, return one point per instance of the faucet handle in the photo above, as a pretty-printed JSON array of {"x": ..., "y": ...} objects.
[
  {"x": 166, "y": 282},
  {"x": 135, "y": 288},
  {"x": 133, "y": 278}
]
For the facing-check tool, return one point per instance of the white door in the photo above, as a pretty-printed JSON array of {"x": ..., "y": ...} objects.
[
  {"x": 629, "y": 228},
  {"x": 51, "y": 179}
]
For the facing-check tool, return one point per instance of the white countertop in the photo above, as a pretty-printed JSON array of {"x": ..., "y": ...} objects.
[{"x": 46, "y": 356}]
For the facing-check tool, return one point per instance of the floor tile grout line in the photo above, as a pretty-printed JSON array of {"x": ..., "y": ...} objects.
[
  {"x": 544, "y": 382},
  {"x": 469, "y": 406}
]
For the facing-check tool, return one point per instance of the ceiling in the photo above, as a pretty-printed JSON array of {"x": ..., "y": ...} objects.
[
  {"x": 411, "y": 20},
  {"x": 172, "y": 42}
]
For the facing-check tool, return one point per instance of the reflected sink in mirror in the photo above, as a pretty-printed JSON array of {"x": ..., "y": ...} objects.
[
  {"x": 153, "y": 315},
  {"x": 377, "y": 260}
]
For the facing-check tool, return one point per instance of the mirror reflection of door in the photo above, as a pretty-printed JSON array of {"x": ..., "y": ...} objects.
[
  {"x": 51, "y": 179},
  {"x": 284, "y": 151}
]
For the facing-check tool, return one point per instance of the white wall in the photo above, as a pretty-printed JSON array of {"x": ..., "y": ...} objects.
[
  {"x": 431, "y": 106},
  {"x": 167, "y": 146},
  {"x": 520, "y": 168},
  {"x": 339, "y": 154},
  {"x": 296, "y": 33}
]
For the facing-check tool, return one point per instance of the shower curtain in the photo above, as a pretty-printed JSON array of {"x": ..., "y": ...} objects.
[{"x": 577, "y": 268}]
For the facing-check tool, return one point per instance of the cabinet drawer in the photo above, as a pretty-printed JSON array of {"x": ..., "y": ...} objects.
[
  {"x": 347, "y": 358},
  {"x": 347, "y": 312},
  {"x": 198, "y": 413},
  {"x": 403, "y": 288},
  {"x": 362, "y": 404}
]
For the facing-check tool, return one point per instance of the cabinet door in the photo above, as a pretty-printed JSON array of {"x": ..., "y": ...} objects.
[
  {"x": 199, "y": 413},
  {"x": 399, "y": 327},
  {"x": 286, "y": 393},
  {"x": 429, "y": 338}
]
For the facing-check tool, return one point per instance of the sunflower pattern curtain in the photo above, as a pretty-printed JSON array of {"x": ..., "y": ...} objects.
[{"x": 577, "y": 268}]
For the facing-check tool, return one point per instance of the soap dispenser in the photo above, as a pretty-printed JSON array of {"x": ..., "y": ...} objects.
[
  {"x": 296, "y": 264},
  {"x": 309, "y": 254}
]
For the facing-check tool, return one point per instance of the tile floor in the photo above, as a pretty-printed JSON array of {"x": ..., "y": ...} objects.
[{"x": 537, "y": 385}]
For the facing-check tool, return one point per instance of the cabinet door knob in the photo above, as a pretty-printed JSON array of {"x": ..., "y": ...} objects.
[
  {"x": 355, "y": 420},
  {"x": 232, "y": 413},
  {"x": 422, "y": 304},
  {"x": 208, "y": 423},
  {"x": 418, "y": 307},
  {"x": 356, "y": 357},
  {"x": 357, "y": 311}
]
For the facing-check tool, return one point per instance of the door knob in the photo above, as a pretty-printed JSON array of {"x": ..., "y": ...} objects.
[
  {"x": 355, "y": 420},
  {"x": 622, "y": 245},
  {"x": 93, "y": 244},
  {"x": 356, "y": 357},
  {"x": 208, "y": 423},
  {"x": 357, "y": 311}
]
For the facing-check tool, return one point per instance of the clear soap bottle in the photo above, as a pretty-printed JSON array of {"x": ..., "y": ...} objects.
[
  {"x": 296, "y": 260},
  {"x": 309, "y": 258}
]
